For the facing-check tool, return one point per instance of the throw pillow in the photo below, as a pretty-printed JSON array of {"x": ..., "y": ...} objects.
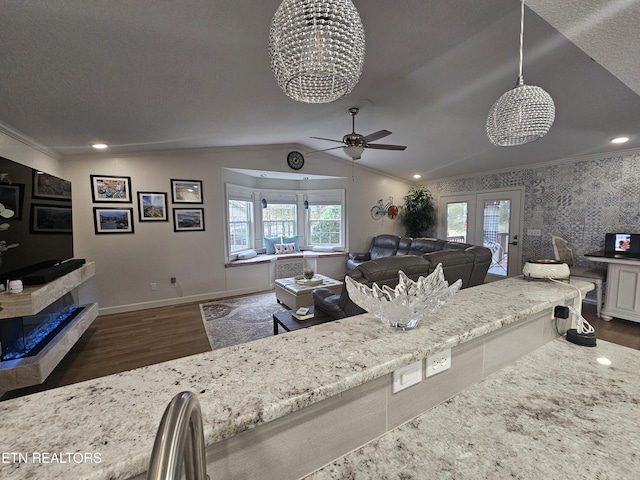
[
  {"x": 268, "y": 243},
  {"x": 247, "y": 254},
  {"x": 284, "y": 248}
]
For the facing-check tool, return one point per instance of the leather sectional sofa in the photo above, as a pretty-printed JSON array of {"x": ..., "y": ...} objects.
[{"x": 415, "y": 257}]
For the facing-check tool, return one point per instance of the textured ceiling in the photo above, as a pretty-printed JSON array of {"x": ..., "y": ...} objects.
[{"x": 144, "y": 75}]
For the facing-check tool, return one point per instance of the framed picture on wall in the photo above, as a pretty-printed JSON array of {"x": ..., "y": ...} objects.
[
  {"x": 186, "y": 191},
  {"x": 152, "y": 207},
  {"x": 105, "y": 188},
  {"x": 188, "y": 219},
  {"x": 50, "y": 219},
  {"x": 11, "y": 198},
  {"x": 113, "y": 220},
  {"x": 48, "y": 186}
]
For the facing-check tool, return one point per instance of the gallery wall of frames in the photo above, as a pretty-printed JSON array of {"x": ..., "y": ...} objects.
[{"x": 113, "y": 212}]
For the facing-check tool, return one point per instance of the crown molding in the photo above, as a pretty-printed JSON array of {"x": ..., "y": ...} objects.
[{"x": 27, "y": 141}]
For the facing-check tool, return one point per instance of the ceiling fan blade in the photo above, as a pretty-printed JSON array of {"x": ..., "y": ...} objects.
[
  {"x": 382, "y": 146},
  {"x": 327, "y": 139},
  {"x": 325, "y": 150},
  {"x": 372, "y": 137}
]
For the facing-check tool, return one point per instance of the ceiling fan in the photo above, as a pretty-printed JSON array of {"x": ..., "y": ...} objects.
[{"x": 354, "y": 143}]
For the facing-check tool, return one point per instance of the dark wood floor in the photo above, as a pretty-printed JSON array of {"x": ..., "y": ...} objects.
[{"x": 120, "y": 342}]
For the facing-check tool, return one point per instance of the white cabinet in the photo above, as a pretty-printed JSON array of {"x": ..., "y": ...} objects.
[{"x": 623, "y": 291}]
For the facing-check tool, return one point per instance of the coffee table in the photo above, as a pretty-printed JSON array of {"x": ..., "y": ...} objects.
[
  {"x": 295, "y": 292},
  {"x": 288, "y": 323}
]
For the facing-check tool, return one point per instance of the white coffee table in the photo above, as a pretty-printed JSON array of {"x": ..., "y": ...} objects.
[{"x": 295, "y": 292}]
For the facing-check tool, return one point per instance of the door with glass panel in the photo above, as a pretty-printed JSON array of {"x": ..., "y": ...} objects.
[{"x": 492, "y": 219}]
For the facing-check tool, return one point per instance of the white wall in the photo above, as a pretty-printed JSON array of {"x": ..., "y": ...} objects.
[
  {"x": 14, "y": 148},
  {"x": 126, "y": 264}
]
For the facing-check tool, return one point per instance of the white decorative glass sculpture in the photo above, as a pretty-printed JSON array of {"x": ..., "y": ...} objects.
[{"x": 404, "y": 306}]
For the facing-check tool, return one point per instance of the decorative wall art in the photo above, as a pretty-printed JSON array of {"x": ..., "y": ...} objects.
[
  {"x": 186, "y": 191},
  {"x": 382, "y": 209},
  {"x": 11, "y": 198},
  {"x": 152, "y": 207},
  {"x": 50, "y": 219},
  {"x": 105, "y": 188},
  {"x": 113, "y": 220},
  {"x": 48, "y": 186},
  {"x": 188, "y": 219}
]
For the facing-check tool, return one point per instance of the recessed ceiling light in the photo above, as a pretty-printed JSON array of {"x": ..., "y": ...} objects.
[
  {"x": 99, "y": 146},
  {"x": 417, "y": 175},
  {"x": 620, "y": 140},
  {"x": 604, "y": 361}
]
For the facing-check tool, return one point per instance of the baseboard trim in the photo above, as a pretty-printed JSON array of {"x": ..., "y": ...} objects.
[{"x": 203, "y": 297}]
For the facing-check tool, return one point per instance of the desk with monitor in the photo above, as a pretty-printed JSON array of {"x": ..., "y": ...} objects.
[{"x": 622, "y": 256}]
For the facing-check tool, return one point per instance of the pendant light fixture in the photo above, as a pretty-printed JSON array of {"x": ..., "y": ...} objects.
[
  {"x": 523, "y": 114},
  {"x": 316, "y": 49}
]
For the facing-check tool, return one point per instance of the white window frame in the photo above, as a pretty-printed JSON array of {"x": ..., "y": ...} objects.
[
  {"x": 326, "y": 197},
  {"x": 297, "y": 196}
]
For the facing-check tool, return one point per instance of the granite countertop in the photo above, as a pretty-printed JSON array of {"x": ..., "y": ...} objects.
[
  {"x": 554, "y": 414},
  {"x": 115, "y": 418}
]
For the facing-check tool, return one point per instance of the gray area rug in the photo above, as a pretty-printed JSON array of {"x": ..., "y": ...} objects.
[{"x": 238, "y": 320}]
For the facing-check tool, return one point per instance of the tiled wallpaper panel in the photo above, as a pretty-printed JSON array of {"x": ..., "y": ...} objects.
[{"x": 579, "y": 201}]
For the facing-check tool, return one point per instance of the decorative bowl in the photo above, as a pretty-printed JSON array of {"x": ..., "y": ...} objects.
[
  {"x": 404, "y": 306},
  {"x": 544, "y": 268}
]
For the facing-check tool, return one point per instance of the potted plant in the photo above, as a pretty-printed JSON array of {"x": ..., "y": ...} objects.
[{"x": 418, "y": 214}]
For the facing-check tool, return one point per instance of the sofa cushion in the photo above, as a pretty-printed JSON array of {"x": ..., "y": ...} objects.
[
  {"x": 384, "y": 246},
  {"x": 384, "y": 271},
  {"x": 404, "y": 246},
  {"x": 455, "y": 264},
  {"x": 420, "y": 246}
]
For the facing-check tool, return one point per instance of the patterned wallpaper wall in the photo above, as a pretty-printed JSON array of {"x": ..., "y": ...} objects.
[{"x": 579, "y": 201}]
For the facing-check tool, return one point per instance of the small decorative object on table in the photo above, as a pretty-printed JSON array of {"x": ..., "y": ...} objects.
[
  {"x": 309, "y": 282},
  {"x": 548, "y": 269},
  {"x": 308, "y": 273},
  {"x": 404, "y": 306},
  {"x": 303, "y": 313}
]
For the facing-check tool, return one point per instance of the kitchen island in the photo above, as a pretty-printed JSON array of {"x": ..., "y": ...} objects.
[
  {"x": 561, "y": 412},
  {"x": 283, "y": 406}
]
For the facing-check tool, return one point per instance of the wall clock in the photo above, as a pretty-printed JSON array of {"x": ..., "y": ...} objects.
[{"x": 295, "y": 160}]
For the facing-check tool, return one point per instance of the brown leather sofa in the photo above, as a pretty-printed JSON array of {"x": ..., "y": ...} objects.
[{"x": 415, "y": 257}]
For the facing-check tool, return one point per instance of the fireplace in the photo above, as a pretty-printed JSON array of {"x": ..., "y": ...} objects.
[{"x": 26, "y": 336}]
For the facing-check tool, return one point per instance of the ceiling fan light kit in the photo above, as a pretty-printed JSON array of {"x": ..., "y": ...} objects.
[
  {"x": 524, "y": 113},
  {"x": 316, "y": 49},
  {"x": 353, "y": 144}
]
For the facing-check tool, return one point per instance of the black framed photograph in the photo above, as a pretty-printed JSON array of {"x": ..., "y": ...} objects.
[
  {"x": 113, "y": 220},
  {"x": 152, "y": 207},
  {"x": 11, "y": 199},
  {"x": 49, "y": 186},
  {"x": 50, "y": 219},
  {"x": 186, "y": 191},
  {"x": 106, "y": 188},
  {"x": 188, "y": 219}
]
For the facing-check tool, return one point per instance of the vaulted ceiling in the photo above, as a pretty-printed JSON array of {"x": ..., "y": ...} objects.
[{"x": 144, "y": 75}]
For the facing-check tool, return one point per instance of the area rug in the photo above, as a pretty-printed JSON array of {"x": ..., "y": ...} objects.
[{"x": 238, "y": 320}]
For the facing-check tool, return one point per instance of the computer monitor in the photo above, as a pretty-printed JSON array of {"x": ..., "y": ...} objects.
[{"x": 622, "y": 243}]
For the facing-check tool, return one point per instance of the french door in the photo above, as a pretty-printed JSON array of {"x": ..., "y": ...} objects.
[{"x": 489, "y": 218}]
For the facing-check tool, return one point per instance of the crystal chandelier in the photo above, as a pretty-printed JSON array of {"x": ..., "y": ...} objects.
[
  {"x": 316, "y": 49},
  {"x": 524, "y": 113}
]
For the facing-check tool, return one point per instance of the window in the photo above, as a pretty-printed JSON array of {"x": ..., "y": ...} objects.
[
  {"x": 315, "y": 217},
  {"x": 324, "y": 224},
  {"x": 326, "y": 217},
  {"x": 240, "y": 220},
  {"x": 279, "y": 220},
  {"x": 239, "y": 225}
]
